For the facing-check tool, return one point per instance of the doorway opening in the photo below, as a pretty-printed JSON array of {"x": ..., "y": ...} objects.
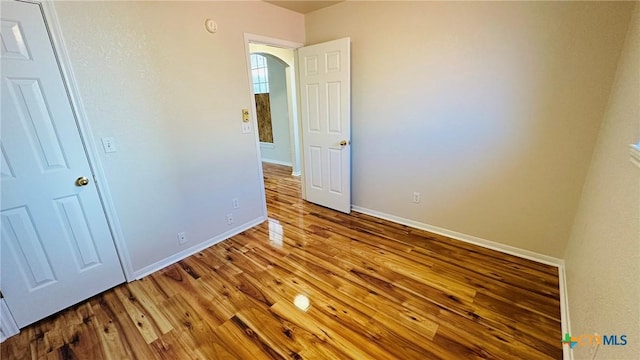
[
  {"x": 285, "y": 53},
  {"x": 325, "y": 76},
  {"x": 273, "y": 81}
]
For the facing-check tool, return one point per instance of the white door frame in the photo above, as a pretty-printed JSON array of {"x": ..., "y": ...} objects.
[
  {"x": 8, "y": 326},
  {"x": 86, "y": 135},
  {"x": 294, "y": 122}
]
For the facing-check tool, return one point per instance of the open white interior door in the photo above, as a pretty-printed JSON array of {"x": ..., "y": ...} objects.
[
  {"x": 56, "y": 245},
  {"x": 325, "y": 98}
]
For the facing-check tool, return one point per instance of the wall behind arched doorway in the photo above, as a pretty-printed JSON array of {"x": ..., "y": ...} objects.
[{"x": 286, "y": 145}]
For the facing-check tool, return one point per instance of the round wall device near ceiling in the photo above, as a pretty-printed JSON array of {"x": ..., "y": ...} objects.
[{"x": 211, "y": 26}]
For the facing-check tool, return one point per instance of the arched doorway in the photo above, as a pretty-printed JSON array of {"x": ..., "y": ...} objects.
[{"x": 276, "y": 107}]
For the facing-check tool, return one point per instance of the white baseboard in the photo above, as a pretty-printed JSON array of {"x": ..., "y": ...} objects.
[
  {"x": 277, "y": 162},
  {"x": 8, "y": 326},
  {"x": 565, "y": 323},
  {"x": 148, "y": 270},
  {"x": 507, "y": 249}
]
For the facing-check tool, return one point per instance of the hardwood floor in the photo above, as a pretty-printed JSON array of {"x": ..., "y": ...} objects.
[{"x": 377, "y": 290}]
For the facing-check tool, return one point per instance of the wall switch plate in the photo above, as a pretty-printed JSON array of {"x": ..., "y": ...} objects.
[
  {"x": 246, "y": 128},
  {"x": 109, "y": 144},
  {"x": 182, "y": 238},
  {"x": 416, "y": 197}
]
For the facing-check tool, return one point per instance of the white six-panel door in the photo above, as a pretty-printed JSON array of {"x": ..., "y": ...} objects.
[
  {"x": 56, "y": 247},
  {"x": 325, "y": 97}
]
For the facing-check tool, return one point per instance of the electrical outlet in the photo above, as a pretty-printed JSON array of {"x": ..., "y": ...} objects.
[
  {"x": 416, "y": 197},
  {"x": 229, "y": 218},
  {"x": 182, "y": 238},
  {"x": 236, "y": 203}
]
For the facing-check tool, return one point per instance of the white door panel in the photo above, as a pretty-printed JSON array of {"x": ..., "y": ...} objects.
[
  {"x": 325, "y": 82},
  {"x": 56, "y": 246}
]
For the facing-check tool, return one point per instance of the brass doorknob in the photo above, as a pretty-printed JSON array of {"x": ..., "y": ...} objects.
[
  {"x": 343, "y": 143},
  {"x": 82, "y": 181}
]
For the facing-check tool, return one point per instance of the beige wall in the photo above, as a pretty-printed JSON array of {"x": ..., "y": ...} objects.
[
  {"x": 603, "y": 254},
  {"x": 171, "y": 95},
  {"x": 489, "y": 109}
]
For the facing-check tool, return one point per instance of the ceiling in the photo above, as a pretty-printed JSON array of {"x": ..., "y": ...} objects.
[{"x": 303, "y": 6}]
